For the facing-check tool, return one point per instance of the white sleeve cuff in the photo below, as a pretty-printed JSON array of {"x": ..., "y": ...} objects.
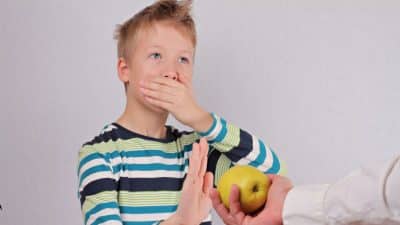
[
  {"x": 304, "y": 205},
  {"x": 217, "y": 131}
]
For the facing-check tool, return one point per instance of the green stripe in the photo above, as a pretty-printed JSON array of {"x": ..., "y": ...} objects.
[
  {"x": 146, "y": 198},
  {"x": 223, "y": 165},
  {"x": 101, "y": 197},
  {"x": 131, "y": 145},
  {"x": 230, "y": 141}
]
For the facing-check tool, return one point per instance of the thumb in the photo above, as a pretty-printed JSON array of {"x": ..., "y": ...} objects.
[
  {"x": 208, "y": 183},
  {"x": 273, "y": 177}
]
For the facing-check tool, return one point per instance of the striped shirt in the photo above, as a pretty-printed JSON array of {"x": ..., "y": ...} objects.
[{"x": 131, "y": 179}]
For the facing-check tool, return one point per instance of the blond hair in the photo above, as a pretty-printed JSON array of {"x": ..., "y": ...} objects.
[{"x": 173, "y": 11}]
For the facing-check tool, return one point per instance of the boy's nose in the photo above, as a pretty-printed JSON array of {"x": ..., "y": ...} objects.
[{"x": 171, "y": 75}]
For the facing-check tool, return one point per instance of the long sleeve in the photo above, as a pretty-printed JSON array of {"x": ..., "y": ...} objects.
[
  {"x": 97, "y": 188},
  {"x": 231, "y": 145},
  {"x": 367, "y": 196}
]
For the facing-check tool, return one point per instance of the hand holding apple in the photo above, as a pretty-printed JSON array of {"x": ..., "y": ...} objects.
[
  {"x": 271, "y": 214},
  {"x": 252, "y": 183}
]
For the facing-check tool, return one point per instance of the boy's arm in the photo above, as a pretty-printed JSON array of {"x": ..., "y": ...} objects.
[
  {"x": 97, "y": 189},
  {"x": 230, "y": 145}
]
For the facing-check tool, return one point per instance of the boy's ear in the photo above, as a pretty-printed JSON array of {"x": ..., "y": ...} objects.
[{"x": 123, "y": 70}]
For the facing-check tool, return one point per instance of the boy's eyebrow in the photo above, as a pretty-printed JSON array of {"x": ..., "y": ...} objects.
[
  {"x": 183, "y": 50},
  {"x": 187, "y": 51}
]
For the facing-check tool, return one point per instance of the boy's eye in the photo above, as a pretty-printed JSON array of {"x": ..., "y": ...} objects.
[
  {"x": 155, "y": 55},
  {"x": 183, "y": 60}
]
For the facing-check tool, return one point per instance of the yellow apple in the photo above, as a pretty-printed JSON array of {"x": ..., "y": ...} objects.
[{"x": 253, "y": 187}]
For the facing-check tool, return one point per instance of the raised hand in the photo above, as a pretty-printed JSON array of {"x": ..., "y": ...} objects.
[{"x": 195, "y": 203}]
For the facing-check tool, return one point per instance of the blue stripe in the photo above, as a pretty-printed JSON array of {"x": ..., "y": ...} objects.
[
  {"x": 92, "y": 170},
  {"x": 103, "y": 219},
  {"x": 117, "y": 168},
  {"x": 151, "y": 152},
  {"x": 132, "y": 154},
  {"x": 99, "y": 207},
  {"x": 214, "y": 124},
  {"x": 88, "y": 158},
  {"x": 154, "y": 166},
  {"x": 222, "y": 133},
  {"x": 148, "y": 167},
  {"x": 141, "y": 153},
  {"x": 147, "y": 209},
  {"x": 139, "y": 223},
  {"x": 261, "y": 156},
  {"x": 276, "y": 166},
  {"x": 188, "y": 148}
]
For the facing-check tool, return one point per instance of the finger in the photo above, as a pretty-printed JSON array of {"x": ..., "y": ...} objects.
[
  {"x": 165, "y": 97},
  {"x": 165, "y": 105},
  {"x": 208, "y": 183},
  {"x": 155, "y": 86},
  {"x": 218, "y": 205},
  {"x": 204, "y": 143},
  {"x": 159, "y": 87},
  {"x": 150, "y": 85},
  {"x": 194, "y": 162},
  {"x": 234, "y": 204},
  {"x": 166, "y": 81},
  {"x": 273, "y": 177},
  {"x": 204, "y": 159}
]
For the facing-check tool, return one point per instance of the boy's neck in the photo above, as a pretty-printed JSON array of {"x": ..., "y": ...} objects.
[{"x": 143, "y": 120}]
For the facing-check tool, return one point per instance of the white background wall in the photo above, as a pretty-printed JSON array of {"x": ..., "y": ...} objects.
[{"x": 317, "y": 80}]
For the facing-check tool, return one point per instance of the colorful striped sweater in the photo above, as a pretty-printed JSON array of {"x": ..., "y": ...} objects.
[{"x": 131, "y": 179}]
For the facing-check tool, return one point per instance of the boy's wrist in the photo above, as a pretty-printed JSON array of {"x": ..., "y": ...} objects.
[
  {"x": 174, "y": 219},
  {"x": 202, "y": 122}
]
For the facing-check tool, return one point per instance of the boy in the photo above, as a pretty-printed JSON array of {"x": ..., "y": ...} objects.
[{"x": 140, "y": 171}]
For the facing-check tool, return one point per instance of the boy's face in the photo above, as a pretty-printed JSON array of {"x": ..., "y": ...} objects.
[{"x": 159, "y": 50}]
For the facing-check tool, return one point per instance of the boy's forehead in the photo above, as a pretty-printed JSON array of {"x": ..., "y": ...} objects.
[{"x": 163, "y": 33}]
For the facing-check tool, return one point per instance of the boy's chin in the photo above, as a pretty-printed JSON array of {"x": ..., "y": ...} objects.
[{"x": 156, "y": 108}]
